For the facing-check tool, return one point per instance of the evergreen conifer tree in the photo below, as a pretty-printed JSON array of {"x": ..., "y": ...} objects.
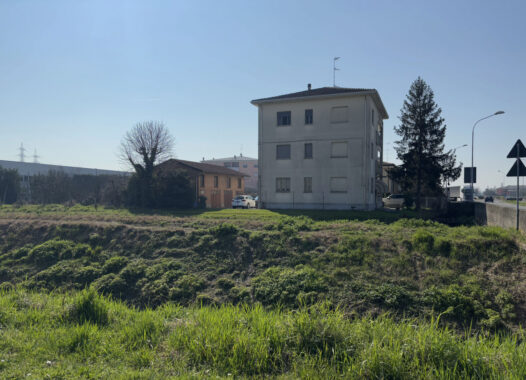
[{"x": 421, "y": 147}]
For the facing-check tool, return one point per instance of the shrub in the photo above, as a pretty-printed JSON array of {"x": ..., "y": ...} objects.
[
  {"x": 225, "y": 283},
  {"x": 88, "y": 306},
  {"x": 392, "y": 296},
  {"x": 423, "y": 241},
  {"x": 154, "y": 293},
  {"x": 185, "y": 288},
  {"x": 285, "y": 286},
  {"x": 443, "y": 247},
  {"x": 111, "y": 284},
  {"x": 51, "y": 251},
  {"x": 240, "y": 294},
  {"x": 456, "y": 303},
  {"x": 224, "y": 230},
  {"x": 114, "y": 264},
  {"x": 133, "y": 272}
]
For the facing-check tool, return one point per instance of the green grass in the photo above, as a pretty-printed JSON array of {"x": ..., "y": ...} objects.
[
  {"x": 39, "y": 340},
  {"x": 515, "y": 202},
  {"x": 221, "y": 214}
]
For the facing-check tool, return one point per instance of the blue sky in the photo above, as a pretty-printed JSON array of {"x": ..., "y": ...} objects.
[{"x": 76, "y": 75}]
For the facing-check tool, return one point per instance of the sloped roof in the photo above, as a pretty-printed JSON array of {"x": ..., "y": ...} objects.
[
  {"x": 314, "y": 92},
  {"x": 202, "y": 167},
  {"x": 234, "y": 158},
  {"x": 326, "y": 92}
]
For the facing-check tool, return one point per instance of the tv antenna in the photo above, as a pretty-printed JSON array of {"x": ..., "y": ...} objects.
[
  {"x": 35, "y": 157},
  {"x": 22, "y": 154},
  {"x": 334, "y": 69}
]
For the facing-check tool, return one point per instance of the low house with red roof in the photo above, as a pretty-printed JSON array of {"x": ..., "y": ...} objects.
[{"x": 218, "y": 184}]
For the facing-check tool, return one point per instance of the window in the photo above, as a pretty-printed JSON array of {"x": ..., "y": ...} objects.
[
  {"x": 372, "y": 117},
  {"x": 283, "y": 152},
  {"x": 235, "y": 164},
  {"x": 308, "y": 117},
  {"x": 239, "y": 183},
  {"x": 255, "y": 165},
  {"x": 372, "y": 185},
  {"x": 307, "y": 184},
  {"x": 339, "y": 149},
  {"x": 283, "y": 118},
  {"x": 338, "y": 184},
  {"x": 229, "y": 182},
  {"x": 372, "y": 151},
  {"x": 245, "y": 166},
  {"x": 202, "y": 180},
  {"x": 283, "y": 185},
  {"x": 216, "y": 181},
  {"x": 339, "y": 114},
  {"x": 308, "y": 150},
  {"x": 227, "y": 164}
]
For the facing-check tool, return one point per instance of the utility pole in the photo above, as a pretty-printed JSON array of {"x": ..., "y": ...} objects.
[
  {"x": 22, "y": 154},
  {"x": 35, "y": 157}
]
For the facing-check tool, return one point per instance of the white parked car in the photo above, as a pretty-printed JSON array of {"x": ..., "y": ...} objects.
[
  {"x": 394, "y": 201},
  {"x": 244, "y": 201}
]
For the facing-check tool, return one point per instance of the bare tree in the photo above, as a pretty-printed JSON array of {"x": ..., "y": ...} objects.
[{"x": 147, "y": 144}]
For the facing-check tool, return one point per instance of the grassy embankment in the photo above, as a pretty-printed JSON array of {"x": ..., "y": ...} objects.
[
  {"x": 475, "y": 276},
  {"x": 278, "y": 268}
]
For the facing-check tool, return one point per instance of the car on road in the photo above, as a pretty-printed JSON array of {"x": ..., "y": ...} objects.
[
  {"x": 394, "y": 201},
  {"x": 489, "y": 199},
  {"x": 244, "y": 201}
]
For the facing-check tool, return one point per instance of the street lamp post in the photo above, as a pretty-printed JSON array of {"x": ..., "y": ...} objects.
[{"x": 472, "y": 148}]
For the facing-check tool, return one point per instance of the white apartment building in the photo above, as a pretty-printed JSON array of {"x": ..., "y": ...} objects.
[{"x": 321, "y": 149}]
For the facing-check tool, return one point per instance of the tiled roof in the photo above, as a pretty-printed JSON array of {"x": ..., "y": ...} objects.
[
  {"x": 202, "y": 167},
  {"x": 235, "y": 158},
  {"x": 314, "y": 92}
]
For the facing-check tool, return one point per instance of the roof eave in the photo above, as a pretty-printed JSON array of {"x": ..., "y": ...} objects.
[{"x": 373, "y": 93}]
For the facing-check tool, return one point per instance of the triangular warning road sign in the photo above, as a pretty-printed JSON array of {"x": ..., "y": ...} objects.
[
  {"x": 513, "y": 170},
  {"x": 513, "y": 151}
]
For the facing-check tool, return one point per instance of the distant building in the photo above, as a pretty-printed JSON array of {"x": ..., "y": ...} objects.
[
  {"x": 218, "y": 184},
  {"x": 511, "y": 191},
  {"x": 245, "y": 165},
  {"x": 28, "y": 169},
  {"x": 321, "y": 149}
]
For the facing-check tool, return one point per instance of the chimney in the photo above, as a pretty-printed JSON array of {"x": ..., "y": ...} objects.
[{"x": 308, "y": 86}]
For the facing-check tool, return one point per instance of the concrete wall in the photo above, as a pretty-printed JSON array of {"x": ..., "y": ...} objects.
[
  {"x": 359, "y": 167},
  {"x": 497, "y": 215}
]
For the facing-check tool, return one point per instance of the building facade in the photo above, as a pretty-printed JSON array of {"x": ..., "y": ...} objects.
[
  {"x": 242, "y": 164},
  {"x": 321, "y": 149},
  {"x": 218, "y": 184}
]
